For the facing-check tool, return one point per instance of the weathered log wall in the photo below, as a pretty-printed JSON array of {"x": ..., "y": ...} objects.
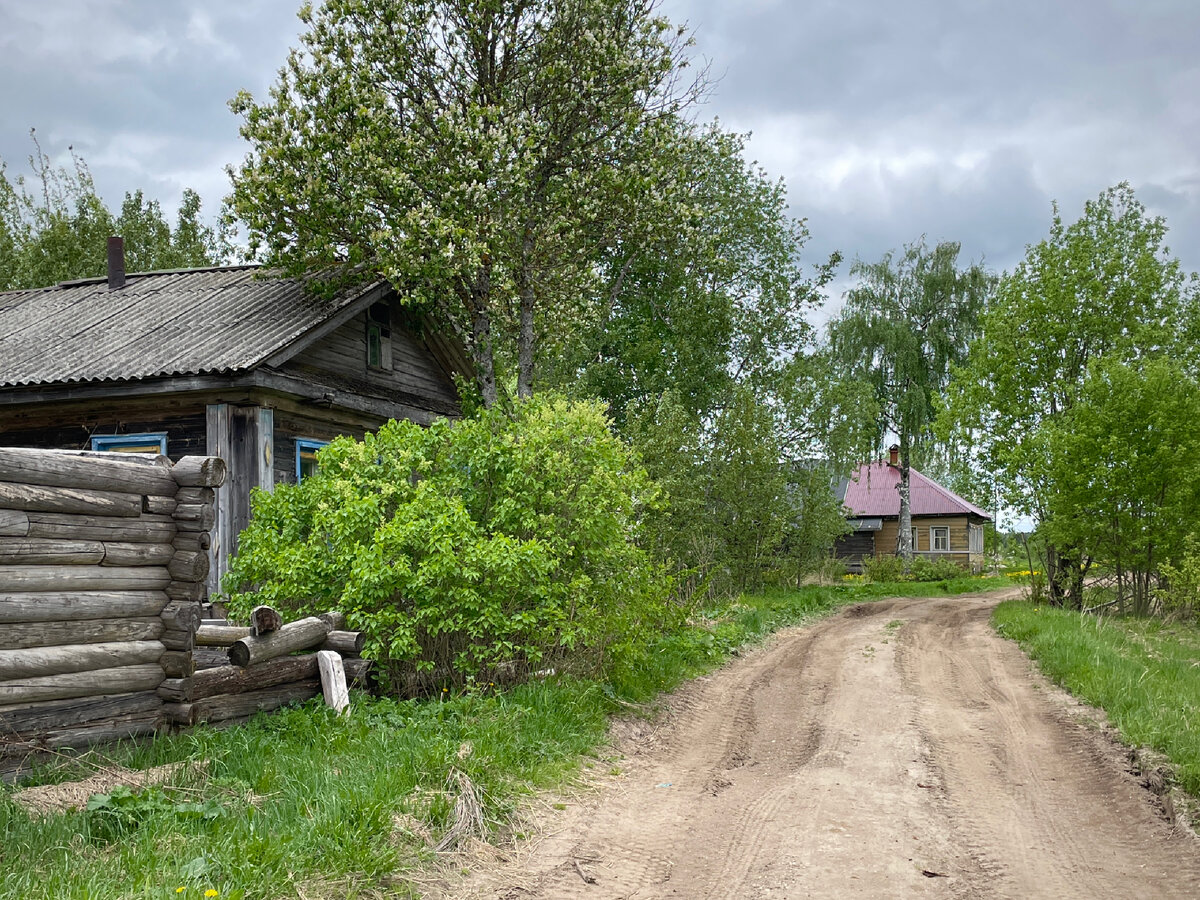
[{"x": 103, "y": 563}]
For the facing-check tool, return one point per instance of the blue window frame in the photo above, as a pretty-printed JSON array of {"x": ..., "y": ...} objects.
[
  {"x": 149, "y": 442},
  {"x": 306, "y": 457}
]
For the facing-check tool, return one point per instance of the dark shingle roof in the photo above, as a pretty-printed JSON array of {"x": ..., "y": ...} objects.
[{"x": 190, "y": 322}]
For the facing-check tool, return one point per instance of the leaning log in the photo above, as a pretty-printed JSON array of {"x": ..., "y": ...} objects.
[
  {"x": 333, "y": 680},
  {"x": 231, "y": 706},
  {"x": 220, "y": 635},
  {"x": 335, "y": 620},
  {"x": 119, "y": 553},
  {"x": 131, "y": 473},
  {"x": 73, "y": 606},
  {"x": 126, "y": 679},
  {"x": 345, "y": 643},
  {"x": 35, "y": 662},
  {"x": 26, "y": 635},
  {"x": 293, "y": 636},
  {"x": 49, "y": 552},
  {"x": 34, "y": 717},
  {"x": 199, "y": 471},
  {"x": 14, "y": 523},
  {"x": 83, "y": 578},
  {"x": 264, "y": 620},
  {"x": 78, "y": 501},
  {"x": 152, "y": 529},
  {"x": 189, "y": 565}
]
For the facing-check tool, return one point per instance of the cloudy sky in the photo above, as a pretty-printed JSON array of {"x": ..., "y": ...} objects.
[{"x": 953, "y": 119}]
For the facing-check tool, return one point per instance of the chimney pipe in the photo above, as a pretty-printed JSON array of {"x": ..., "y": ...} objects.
[
  {"x": 116, "y": 263},
  {"x": 894, "y": 455}
]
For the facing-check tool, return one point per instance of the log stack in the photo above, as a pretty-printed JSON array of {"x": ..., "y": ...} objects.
[
  {"x": 103, "y": 558},
  {"x": 241, "y": 670}
]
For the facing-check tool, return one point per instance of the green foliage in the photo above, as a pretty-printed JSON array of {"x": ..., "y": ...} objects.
[
  {"x": 1179, "y": 596},
  {"x": 1141, "y": 672},
  {"x": 891, "y": 569},
  {"x": 55, "y": 227},
  {"x": 113, "y": 816},
  {"x": 739, "y": 514},
  {"x": 484, "y": 548},
  {"x": 1103, "y": 288},
  {"x": 885, "y": 569}
]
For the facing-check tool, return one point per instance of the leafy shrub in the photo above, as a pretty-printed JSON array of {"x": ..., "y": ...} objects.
[
  {"x": 1179, "y": 594},
  {"x": 485, "y": 548},
  {"x": 884, "y": 569},
  {"x": 935, "y": 569}
]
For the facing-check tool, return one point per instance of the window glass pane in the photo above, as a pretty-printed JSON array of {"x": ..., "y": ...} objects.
[
  {"x": 131, "y": 443},
  {"x": 374, "y": 346},
  {"x": 940, "y": 538},
  {"x": 306, "y": 458}
]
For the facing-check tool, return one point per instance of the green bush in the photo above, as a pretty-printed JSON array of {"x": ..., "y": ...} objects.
[
  {"x": 482, "y": 549},
  {"x": 891, "y": 569},
  {"x": 884, "y": 569},
  {"x": 935, "y": 569},
  {"x": 1179, "y": 595}
]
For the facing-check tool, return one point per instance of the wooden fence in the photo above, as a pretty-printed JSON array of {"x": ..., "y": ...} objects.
[{"x": 103, "y": 561}]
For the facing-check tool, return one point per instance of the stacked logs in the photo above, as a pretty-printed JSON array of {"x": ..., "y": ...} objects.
[
  {"x": 102, "y": 564},
  {"x": 241, "y": 670}
]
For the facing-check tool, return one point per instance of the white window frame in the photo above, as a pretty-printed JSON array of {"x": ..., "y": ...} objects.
[
  {"x": 916, "y": 532},
  {"x": 113, "y": 443},
  {"x": 937, "y": 535}
]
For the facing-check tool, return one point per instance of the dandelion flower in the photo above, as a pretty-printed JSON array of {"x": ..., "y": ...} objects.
[
  {"x": 212, "y": 892},
  {"x": 180, "y": 889}
]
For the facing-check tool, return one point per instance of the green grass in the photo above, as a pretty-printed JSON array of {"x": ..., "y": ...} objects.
[
  {"x": 304, "y": 802},
  {"x": 1144, "y": 674}
]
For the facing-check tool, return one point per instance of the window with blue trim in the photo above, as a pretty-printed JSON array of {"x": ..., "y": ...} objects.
[
  {"x": 306, "y": 457},
  {"x": 150, "y": 442}
]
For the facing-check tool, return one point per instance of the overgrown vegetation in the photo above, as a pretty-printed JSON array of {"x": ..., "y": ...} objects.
[
  {"x": 479, "y": 550},
  {"x": 1141, "y": 672},
  {"x": 304, "y": 803}
]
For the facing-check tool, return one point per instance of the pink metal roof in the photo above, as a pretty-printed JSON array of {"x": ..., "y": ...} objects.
[{"x": 874, "y": 490}]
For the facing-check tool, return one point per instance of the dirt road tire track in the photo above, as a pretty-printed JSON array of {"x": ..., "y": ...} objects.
[{"x": 898, "y": 749}]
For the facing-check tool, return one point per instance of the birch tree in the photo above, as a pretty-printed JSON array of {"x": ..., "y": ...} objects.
[
  {"x": 471, "y": 153},
  {"x": 909, "y": 319}
]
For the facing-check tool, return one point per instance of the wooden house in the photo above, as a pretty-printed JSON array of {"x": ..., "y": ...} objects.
[
  {"x": 227, "y": 362},
  {"x": 944, "y": 525}
]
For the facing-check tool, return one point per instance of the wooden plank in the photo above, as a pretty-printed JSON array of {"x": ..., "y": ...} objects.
[
  {"x": 32, "y": 717},
  {"x": 98, "y": 682},
  {"x": 49, "y": 551},
  {"x": 144, "y": 529},
  {"x": 134, "y": 473},
  {"x": 35, "y": 662},
  {"x": 119, "y": 553},
  {"x": 333, "y": 680},
  {"x": 25, "y": 635},
  {"x": 200, "y": 471},
  {"x": 230, "y": 706},
  {"x": 301, "y": 635},
  {"x": 74, "y": 606},
  {"x": 37, "y": 498},
  {"x": 14, "y": 523},
  {"x": 83, "y": 578}
]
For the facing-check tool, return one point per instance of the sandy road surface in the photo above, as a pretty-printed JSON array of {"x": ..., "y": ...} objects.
[{"x": 898, "y": 749}]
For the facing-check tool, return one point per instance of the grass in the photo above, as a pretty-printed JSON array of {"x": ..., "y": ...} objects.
[
  {"x": 1145, "y": 674},
  {"x": 304, "y": 803}
]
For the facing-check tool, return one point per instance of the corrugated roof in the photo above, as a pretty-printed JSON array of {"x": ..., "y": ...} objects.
[
  {"x": 874, "y": 490},
  {"x": 189, "y": 322}
]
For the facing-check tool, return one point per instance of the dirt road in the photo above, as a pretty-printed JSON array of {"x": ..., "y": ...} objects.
[{"x": 899, "y": 749}]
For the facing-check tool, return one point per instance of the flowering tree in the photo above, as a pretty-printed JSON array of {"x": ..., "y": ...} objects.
[{"x": 473, "y": 154}]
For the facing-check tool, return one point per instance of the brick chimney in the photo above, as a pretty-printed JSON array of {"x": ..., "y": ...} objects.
[
  {"x": 116, "y": 263},
  {"x": 894, "y": 455}
]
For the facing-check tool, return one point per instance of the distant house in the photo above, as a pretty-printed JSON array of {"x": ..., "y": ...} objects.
[
  {"x": 944, "y": 525},
  {"x": 224, "y": 361}
]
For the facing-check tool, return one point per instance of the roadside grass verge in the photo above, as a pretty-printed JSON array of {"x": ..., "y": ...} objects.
[
  {"x": 1144, "y": 673},
  {"x": 306, "y": 804}
]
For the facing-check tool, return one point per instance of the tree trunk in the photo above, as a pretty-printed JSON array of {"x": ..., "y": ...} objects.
[
  {"x": 904, "y": 544},
  {"x": 525, "y": 335},
  {"x": 478, "y": 297}
]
